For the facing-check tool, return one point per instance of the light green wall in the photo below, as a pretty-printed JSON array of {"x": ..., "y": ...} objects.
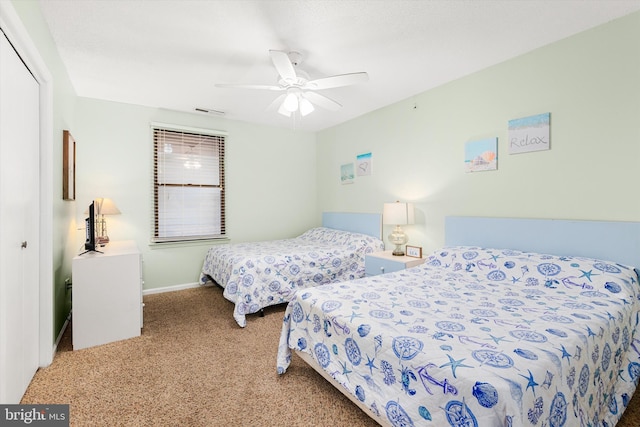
[
  {"x": 270, "y": 181},
  {"x": 64, "y": 96},
  {"x": 590, "y": 83}
]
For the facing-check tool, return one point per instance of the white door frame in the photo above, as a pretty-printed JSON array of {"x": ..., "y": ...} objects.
[{"x": 16, "y": 32}]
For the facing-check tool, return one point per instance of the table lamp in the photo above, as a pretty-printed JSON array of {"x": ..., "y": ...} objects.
[
  {"x": 398, "y": 214},
  {"x": 104, "y": 207}
]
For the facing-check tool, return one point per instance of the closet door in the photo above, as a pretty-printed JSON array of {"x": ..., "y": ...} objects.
[{"x": 19, "y": 224}]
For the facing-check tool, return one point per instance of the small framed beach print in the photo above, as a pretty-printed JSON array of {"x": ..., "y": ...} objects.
[
  {"x": 414, "y": 251},
  {"x": 347, "y": 173}
]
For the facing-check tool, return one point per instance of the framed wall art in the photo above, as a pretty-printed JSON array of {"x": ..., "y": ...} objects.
[
  {"x": 68, "y": 166},
  {"x": 347, "y": 173},
  {"x": 365, "y": 162},
  {"x": 529, "y": 134},
  {"x": 481, "y": 155}
]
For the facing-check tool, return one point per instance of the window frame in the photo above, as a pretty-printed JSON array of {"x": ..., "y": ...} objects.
[{"x": 221, "y": 138}]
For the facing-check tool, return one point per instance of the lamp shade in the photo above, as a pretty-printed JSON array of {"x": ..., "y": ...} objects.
[
  {"x": 398, "y": 213},
  {"x": 106, "y": 207}
]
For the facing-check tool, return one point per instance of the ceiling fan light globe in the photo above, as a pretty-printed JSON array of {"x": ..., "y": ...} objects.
[
  {"x": 291, "y": 102},
  {"x": 306, "y": 107}
]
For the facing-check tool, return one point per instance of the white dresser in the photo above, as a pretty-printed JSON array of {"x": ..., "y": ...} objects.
[{"x": 107, "y": 295}]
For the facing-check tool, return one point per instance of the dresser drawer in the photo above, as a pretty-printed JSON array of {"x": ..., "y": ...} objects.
[
  {"x": 375, "y": 265},
  {"x": 385, "y": 262}
]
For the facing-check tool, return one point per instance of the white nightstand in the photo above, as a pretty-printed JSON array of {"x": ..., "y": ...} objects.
[
  {"x": 385, "y": 262},
  {"x": 107, "y": 295}
]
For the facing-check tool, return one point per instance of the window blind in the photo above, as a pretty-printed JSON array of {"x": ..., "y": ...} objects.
[{"x": 188, "y": 185}]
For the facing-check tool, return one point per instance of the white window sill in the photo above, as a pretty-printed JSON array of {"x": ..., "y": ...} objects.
[{"x": 188, "y": 243}]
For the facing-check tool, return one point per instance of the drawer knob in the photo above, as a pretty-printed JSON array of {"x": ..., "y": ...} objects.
[{"x": 382, "y": 269}]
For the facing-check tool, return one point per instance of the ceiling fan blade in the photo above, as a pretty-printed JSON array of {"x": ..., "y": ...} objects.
[
  {"x": 337, "y": 81},
  {"x": 277, "y": 102},
  {"x": 284, "y": 111},
  {"x": 241, "y": 86},
  {"x": 322, "y": 101},
  {"x": 283, "y": 64}
]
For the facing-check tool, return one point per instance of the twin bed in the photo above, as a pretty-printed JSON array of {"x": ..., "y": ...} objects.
[
  {"x": 257, "y": 275},
  {"x": 489, "y": 331}
]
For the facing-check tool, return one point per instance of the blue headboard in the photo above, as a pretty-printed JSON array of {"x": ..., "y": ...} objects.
[
  {"x": 608, "y": 241},
  {"x": 365, "y": 223}
]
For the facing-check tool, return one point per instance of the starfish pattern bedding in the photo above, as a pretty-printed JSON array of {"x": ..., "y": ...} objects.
[
  {"x": 260, "y": 274},
  {"x": 478, "y": 337}
]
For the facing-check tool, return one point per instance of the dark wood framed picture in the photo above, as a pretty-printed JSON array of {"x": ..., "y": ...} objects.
[
  {"x": 414, "y": 251},
  {"x": 68, "y": 166}
]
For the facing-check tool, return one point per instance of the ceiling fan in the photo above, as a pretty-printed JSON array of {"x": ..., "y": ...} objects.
[{"x": 300, "y": 91}]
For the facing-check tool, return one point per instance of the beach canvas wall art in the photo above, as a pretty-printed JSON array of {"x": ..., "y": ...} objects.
[{"x": 481, "y": 155}]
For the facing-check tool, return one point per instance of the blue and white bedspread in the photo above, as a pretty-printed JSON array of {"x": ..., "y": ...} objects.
[
  {"x": 478, "y": 337},
  {"x": 259, "y": 274}
]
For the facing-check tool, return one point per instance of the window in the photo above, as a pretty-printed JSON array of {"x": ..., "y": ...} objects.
[{"x": 188, "y": 184}]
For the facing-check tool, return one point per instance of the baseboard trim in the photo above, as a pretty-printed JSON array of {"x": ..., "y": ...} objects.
[
  {"x": 171, "y": 288},
  {"x": 60, "y": 334}
]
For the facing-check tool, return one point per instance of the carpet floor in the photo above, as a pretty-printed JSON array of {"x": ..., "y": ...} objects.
[{"x": 193, "y": 366}]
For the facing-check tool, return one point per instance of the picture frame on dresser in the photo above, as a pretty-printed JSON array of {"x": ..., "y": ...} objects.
[{"x": 413, "y": 251}]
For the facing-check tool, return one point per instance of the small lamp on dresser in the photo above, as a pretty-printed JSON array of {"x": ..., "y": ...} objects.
[
  {"x": 398, "y": 214},
  {"x": 104, "y": 207}
]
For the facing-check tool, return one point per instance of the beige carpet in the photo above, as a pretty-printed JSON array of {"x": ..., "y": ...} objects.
[{"x": 193, "y": 366}]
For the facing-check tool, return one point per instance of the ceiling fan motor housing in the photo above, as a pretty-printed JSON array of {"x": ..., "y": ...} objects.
[{"x": 295, "y": 58}]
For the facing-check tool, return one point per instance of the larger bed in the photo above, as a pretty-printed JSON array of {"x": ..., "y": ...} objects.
[
  {"x": 256, "y": 275},
  {"x": 485, "y": 337}
]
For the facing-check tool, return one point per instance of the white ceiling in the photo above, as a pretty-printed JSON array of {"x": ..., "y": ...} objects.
[{"x": 171, "y": 53}]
